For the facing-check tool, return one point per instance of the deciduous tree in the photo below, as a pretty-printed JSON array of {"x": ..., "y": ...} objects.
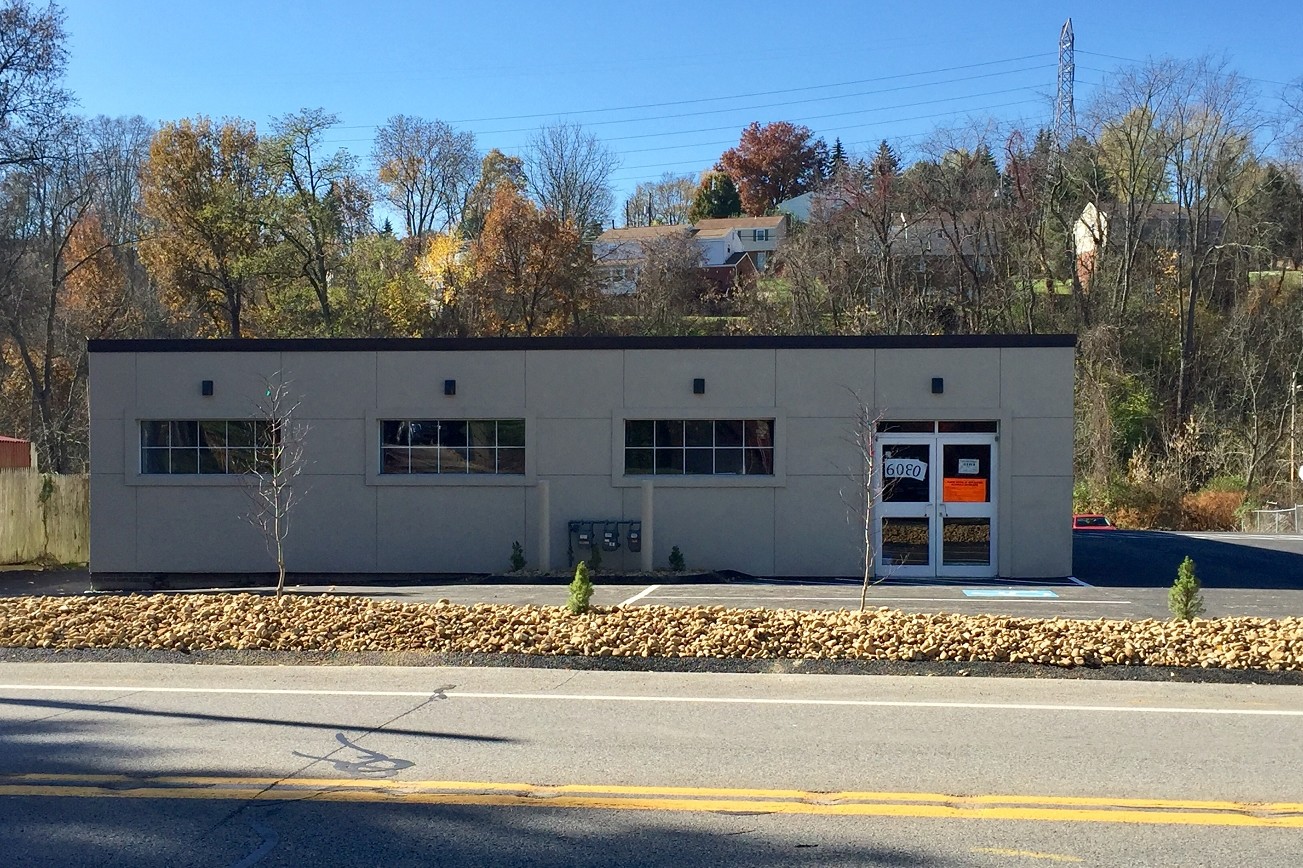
[
  {"x": 496, "y": 171},
  {"x": 378, "y": 292},
  {"x": 32, "y": 60},
  {"x": 531, "y": 273},
  {"x": 204, "y": 193},
  {"x": 427, "y": 170},
  {"x": 660, "y": 203},
  {"x": 774, "y": 162},
  {"x": 568, "y": 171},
  {"x": 670, "y": 284},
  {"x": 59, "y": 284},
  {"x": 318, "y": 196}
]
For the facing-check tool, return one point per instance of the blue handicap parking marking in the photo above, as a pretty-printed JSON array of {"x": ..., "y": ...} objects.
[{"x": 1009, "y": 592}]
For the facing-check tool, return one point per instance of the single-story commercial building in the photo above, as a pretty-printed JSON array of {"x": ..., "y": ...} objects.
[{"x": 435, "y": 456}]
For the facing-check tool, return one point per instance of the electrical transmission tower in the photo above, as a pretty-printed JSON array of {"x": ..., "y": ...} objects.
[{"x": 1065, "y": 117}]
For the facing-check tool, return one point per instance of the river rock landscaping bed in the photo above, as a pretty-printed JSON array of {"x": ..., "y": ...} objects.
[{"x": 331, "y": 624}]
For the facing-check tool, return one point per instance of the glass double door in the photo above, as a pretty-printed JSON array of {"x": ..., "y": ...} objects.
[{"x": 935, "y": 505}]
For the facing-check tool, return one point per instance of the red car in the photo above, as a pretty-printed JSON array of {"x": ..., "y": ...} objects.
[{"x": 1091, "y": 521}]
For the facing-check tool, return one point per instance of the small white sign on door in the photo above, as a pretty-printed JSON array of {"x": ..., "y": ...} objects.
[{"x": 969, "y": 466}]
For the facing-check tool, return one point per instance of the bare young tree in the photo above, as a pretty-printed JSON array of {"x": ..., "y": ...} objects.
[
  {"x": 278, "y": 463},
  {"x": 426, "y": 170},
  {"x": 568, "y": 171},
  {"x": 867, "y": 494}
]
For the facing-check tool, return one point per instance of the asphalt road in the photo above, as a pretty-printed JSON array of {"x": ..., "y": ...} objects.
[
  {"x": 142, "y": 765},
  {"x": 1148, "y": 559}
]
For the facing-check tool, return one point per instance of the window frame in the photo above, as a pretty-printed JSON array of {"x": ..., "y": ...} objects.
[
  {"x": 458, "y": 441},
  {"x": 133, "y": 456},
  {"x": 432, "y": 412},
  {"x": 778, "y": 479},
  {"x": 254, "y": 449}
]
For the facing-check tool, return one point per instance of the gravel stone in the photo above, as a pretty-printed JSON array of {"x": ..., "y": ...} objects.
[{"x": 187, "y": 624}]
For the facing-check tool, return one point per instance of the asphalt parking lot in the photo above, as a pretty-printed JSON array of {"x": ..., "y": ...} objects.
[{"x": 1121, "y": 574}]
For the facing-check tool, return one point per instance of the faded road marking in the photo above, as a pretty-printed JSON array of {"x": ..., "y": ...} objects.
[{"x": 1025, "y": 854}]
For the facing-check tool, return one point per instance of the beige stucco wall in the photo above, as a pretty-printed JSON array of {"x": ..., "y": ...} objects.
[{"x": 801, "y": 521}]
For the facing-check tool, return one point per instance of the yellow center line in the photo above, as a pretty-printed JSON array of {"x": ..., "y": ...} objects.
[
  {"x": 644, "y": 798},
  {"x": 396, "y": 785}
]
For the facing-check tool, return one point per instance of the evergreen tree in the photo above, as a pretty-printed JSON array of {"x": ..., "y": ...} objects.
[
  {"x": 717, "y": 196},
  {"x": 837, "y": 160},
  {"x": 885, "y": 162}
]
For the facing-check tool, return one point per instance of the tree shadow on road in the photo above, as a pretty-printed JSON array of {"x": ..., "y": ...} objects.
[{"x": 113, "y": 821}]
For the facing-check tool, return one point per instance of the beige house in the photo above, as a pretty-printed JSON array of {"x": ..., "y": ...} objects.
[
  {"x": 434, "y": 456},
  {"x": 620, "y": 254},
  {"x": 731, "y": 248}
]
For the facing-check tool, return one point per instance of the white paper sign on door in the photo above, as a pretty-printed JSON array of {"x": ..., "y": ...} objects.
[
  {"x": 909, "y": 468},
  {"x": 969, "y": 466}
]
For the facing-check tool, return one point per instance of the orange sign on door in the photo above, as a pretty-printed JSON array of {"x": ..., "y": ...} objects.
[{"x": 963, "y": 489}]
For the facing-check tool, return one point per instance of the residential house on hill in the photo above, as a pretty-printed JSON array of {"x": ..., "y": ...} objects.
[
  {"x": 619, "y": 254},
  {"x": 736, "y": 249},
  {"x": 1159, "y": 226},
  {"x": 733, "y": 249}
]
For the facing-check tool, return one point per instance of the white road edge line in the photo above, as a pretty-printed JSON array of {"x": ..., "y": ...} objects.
[
  {"x": 638, "y": 596},
  {"x": 682, "y": 700},
  {"x": 1077, "y": 581}
]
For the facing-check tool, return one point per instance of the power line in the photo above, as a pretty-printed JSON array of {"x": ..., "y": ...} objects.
[
  {"x": 731, "y": 127},
  {"x": 733, "y": 96},
  {"x": 852, "y": 127},
  {"x": 788, "y": 102},
  {"x": 765, "y": 92},
  {"x": 1134, "y": 60},
  {"x": 832, "y": 114}
]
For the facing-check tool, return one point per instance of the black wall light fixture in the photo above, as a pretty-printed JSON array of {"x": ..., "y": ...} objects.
[
  {"x": 938, "y": 385},
  {"x": 450, "y": 387},
  {"x": 699, "y": 386},
  {"x": 206, "y": 388}
]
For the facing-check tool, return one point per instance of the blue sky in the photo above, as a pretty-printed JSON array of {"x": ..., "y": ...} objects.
[{"x": 668, "y": 85}]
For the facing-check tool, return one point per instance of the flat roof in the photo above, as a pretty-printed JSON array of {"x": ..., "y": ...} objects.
[{"x": 711, "y": 342}]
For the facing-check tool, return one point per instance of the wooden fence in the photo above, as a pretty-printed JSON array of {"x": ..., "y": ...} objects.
[{"x": 44, "y": 517}]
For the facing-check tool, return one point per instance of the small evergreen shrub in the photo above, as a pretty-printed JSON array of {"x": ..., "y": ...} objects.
[
  {"x": 1184, "y": 599},
  {"x": 517, "y": 557},
  {"x": 676, "y": 560},
  {"x": 581, "y": 590}
]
